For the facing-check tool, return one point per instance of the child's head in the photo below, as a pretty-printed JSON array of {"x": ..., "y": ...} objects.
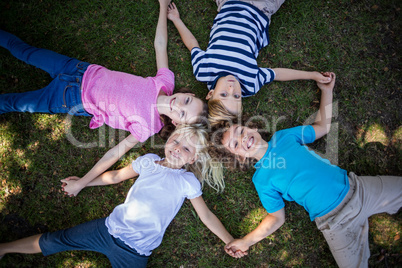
[
  {"x": 185, "y": 108},
  {"x": 236, "y": 145},
  {"x": 218, "y": 113},
  {"x": 228, "y": 90},
  {"x": 182, "y": 108},
  {"x": 188, "y": 147}
]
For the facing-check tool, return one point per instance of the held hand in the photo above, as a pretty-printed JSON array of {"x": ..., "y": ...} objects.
[
  {"x": 323, "y": 78},
  {"x": 330, "y": 85},
  {"x": 173, "y": 13},
  {"x": 237, "y": 248},
  {"x": 70, "y": 186}
]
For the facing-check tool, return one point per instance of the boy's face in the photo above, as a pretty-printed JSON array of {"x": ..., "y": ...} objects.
[
  {"x": 242, "y": 141},
  {"x": 180, "y": 150},
  {"x": 228, "y": 91}
]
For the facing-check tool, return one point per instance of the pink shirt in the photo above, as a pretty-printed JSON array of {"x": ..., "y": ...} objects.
[{"x": 125, "y": 101}]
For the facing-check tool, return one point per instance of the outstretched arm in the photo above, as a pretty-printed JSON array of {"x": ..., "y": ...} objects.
[
  {"x": 284, "y": 74},
  {"x": 269, "y": 224},
  {"x": 161, "y": 36},
  {"x": 73, "y": 187},
  {"x": 213, "y": 223},
  {"x": 188, "y": 38},
  {"x": 107, "y": 178},
  {"x": 323, "y": 119}
]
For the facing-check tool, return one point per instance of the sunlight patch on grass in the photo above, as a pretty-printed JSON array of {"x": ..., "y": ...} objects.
[
  {"x": 5, "y": 143},
  {"x": 72, "y": 263},
  {"x": 385, "y": 230},
  {"x": 6, "y": 139},
  {"x": 397, "y": 138},
  {"x": 253, "y": 219},
  {"x": 372, "y": 133},
  {"x": 8, "y": 189},
  {"x": 284, "y": 255},
  {"x": 54, "y": 124}
]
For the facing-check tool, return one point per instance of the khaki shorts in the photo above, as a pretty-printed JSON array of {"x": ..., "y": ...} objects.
[
  {"x": 346, "y": 227},
  {"x": 268, "y": 7}
]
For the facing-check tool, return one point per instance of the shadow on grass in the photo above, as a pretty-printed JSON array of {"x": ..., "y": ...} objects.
[{"x": 32, "y": 201}]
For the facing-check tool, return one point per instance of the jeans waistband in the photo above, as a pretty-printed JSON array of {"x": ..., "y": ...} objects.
[
  {"x": 82, "y": 66},
  {"x": 76, "y": 78}
]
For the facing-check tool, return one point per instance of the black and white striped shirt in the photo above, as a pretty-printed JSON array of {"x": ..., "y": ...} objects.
[{"x": 239, "y": 32}]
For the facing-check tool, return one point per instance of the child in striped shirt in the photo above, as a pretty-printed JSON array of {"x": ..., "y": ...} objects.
[{"x": 229, "y": 64}]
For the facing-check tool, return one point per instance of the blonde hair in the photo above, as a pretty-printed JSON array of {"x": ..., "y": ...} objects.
[
  {"x": 205, "y": 168},
  {"x": 217, "y": 113}
]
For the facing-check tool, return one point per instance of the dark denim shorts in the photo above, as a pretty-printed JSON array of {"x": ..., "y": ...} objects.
[{"x": 92, "y": 236}]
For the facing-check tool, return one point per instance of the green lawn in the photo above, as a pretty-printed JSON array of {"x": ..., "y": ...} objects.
[{"x": 359, "y": 40}]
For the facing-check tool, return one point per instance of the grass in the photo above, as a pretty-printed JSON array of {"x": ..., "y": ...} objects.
[{"x": 358, "y": 40}]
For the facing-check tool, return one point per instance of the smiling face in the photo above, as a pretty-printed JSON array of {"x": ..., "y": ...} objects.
[
  {"x": 182, "y": 108},
  {"x": 180, "y": 150},
  {"x": 244, "y": 142},
  {"x": 227, "y": 90}
]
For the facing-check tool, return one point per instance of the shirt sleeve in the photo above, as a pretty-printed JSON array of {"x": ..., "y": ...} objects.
[
  {"x": 193, "y": 186},
  {"x": 144, "y": 162},
  {"x": 306, "y": 134},
  {"x": 139, "y": 128},
  {"x": 266, "y": 75},
  {"x": 197, "y": 59},
  {"x": 302, "y": 134},
  {"x": 166, "y": 78},
  {"x": 271, "y": 199}
]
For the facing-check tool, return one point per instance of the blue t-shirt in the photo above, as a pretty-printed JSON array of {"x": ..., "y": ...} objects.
[
  {"x": 239, "y": 32},
  {"x": 290, "y": 171}
]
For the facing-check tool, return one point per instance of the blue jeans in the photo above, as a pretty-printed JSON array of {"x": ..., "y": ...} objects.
[
  {"x": 62, "y": 95},
  {"x": 92, "y": 236}
]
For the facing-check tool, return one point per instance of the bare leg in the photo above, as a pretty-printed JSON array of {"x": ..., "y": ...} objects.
[{"x": 28, "y": 245}]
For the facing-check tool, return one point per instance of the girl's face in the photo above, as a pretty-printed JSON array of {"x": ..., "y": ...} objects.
[
  {"x": 183, "y": 108},
  {"x": 180, "y": 150},
  {"x": 244, "y": 142},
  {"x": 228, "y": 91}
]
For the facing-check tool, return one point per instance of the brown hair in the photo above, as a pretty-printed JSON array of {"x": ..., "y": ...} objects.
[{"x": 218, "y": 151}]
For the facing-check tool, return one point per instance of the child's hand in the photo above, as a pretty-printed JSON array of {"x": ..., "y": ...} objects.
[
  {"x": 237, "y": 248},
  {"x": 70, "y": 186},
  {"x": 323, "y": 78},
  {"x": 173, "y": 13},
  {"x": 330, "y": 85}
]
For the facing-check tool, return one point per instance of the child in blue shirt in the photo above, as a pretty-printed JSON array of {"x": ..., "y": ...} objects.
[
  {"x": 339, "y": 203},
  {"x": 229, "y": 64}
]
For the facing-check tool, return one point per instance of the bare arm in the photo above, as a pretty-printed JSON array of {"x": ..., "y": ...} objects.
[
  {"x": 269, "y": 224},
  {"x": 214, "y": 224},
  {"x": 188, "y": 38},
  {"x": 284, "y": 74},
  {"x": 210, "y": 220},
  {"x": 323, "y": 119},
  {"x": 114, "y": 176},
  {"x": 73, "y": 187},
  {"x": 107, "y": 178},
  {"x": 161, "y": 36}
]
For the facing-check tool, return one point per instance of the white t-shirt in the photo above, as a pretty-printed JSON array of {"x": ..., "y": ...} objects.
[{"x": 151, "y": 204}]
